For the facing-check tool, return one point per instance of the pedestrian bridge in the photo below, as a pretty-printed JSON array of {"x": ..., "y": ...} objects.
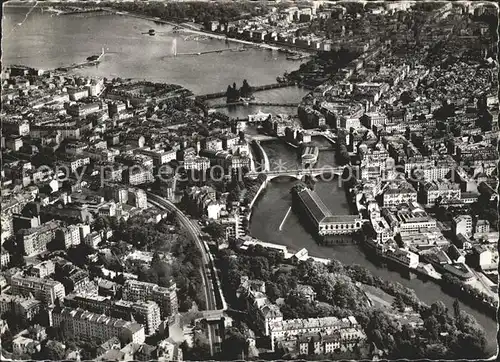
[{"x": 299, "y": 173}]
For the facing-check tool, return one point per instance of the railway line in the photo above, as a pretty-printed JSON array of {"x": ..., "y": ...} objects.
[{"x": 209, "y": 276}]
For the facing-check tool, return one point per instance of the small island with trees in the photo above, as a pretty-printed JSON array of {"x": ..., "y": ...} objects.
[{"x": 234, "y": 94}]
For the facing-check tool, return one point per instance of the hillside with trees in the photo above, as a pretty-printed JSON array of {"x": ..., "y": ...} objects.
[{"x": 442, "y": 334}]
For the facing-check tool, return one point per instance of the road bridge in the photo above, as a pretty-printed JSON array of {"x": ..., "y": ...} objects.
[
  {"x": 300, "y": 173},
  {"x": 240, "y": 103}
]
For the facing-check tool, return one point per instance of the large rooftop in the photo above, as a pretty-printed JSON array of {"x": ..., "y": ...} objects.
[{"x": 313, "y": 203}]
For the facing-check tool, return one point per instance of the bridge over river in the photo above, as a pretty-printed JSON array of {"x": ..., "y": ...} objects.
[
  {"x": 299, "y": 173},
  {"x": 258, "y": 88},
  {"x": 240, "y": 103}
]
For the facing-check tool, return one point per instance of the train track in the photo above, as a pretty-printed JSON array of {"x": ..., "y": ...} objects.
[{"x": 207, "y": 270}]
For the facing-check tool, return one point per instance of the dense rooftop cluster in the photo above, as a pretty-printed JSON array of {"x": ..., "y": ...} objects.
[{"x": 91, "y": 269}]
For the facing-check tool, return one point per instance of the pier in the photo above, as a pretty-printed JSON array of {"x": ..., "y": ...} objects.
[
  {"x": 258, "y": 88},
  {"x": 239, "y": 49},
  {"x": 87, "y": 63}
]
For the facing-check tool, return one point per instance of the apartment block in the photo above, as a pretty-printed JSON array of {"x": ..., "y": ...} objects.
[
  {"x": 166, "y": 298},
  {"x": 81, "y": 323},
  {"x": 45, "y": 290}
]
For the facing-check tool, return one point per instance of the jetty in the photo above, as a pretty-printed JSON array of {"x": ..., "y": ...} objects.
[
  {"x": 239, "y": 49},
  {"x": 92, "y": 60}
]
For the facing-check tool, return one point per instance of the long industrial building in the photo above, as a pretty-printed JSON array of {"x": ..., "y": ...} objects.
[{"x": 309, "y": 203}]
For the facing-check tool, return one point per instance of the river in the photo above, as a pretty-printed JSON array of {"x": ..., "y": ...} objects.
[
  {"x": 273, "y": 204},
  {"x": 279, "y": 95}
]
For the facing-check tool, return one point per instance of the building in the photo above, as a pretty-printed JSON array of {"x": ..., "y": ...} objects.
[
  {"x": 462, "y": 224},
  {"x": 20, "y": 127},
  {"x": 43, "y": 269},
  {"x": 381, "y": 229},
  {"x": 68, "y": 236},
  {"x": 137, "y": 198},
  {"x": 75, "y": 162},
  {"x": 310, "y": 156},
  {"x": 232, "y": 226},
  {"x": 160, "y": 157},
  {"x": 484, "y": 258},
  {"x": 4, "y": 258},
  {"x": 398, "y": 193},
  {"x": 138, "y": 175},
  {"x": 371, "y": 119},
  {"x": 318, "y": 343},
  {"x": 263, "y": 312},
  {"x": 93, "y": 239},
  {"x": 444, "y": 191},
  {"x": 21, "y": 307},
  {"x": 212, "y": 144},
  {"x": 410, "y": 219},
  {"x": 309, "y": 203},
  {"x": 45, "y": 290},
  {"x": 196, "y": 163},
  {"x": 306, "y": 291},
  {"x": 82, "y": 109},
  {"x": 35, "y": 240},
  {"x": 81, "y": 323},
  {"x": 25, "y": 346},
  {"x": 146, "y": 313},
  {"x": 403, "y": 257},
  {"x": 166, "y": 298},
  {"x": 481, "y": 227},
  {"x": 339, "y": 330}
]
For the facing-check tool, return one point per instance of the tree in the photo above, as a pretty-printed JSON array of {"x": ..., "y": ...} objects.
[
  {"x": 408, "y": 133},
  {"x": 7, "y": 338},
  {"x": 406, "y": 98},
  {"x": 298, "y": 187},
  {"x": 101, "y": 223},
  {"x": 246, "y": 89},
  {"x": 229, "y": 93},
  {"x": 431, "y": 326},
  {"x": 399, "y": 303},
  {"x": 199, "y": 352},
  {"x": 216, "y": 230},
  {"x": 456, "y": 308},
  {"x": 53, "y": 351},
  {"x": 235, "y": 194},
  {"x": 234, "y": 344}
]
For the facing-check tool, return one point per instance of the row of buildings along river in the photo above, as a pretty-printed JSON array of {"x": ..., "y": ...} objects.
[{"x": 271, "y": 222}]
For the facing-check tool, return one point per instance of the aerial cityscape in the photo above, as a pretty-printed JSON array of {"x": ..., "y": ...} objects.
[{"x": 249, "y": 180}]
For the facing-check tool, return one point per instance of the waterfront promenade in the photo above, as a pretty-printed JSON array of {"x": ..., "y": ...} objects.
[{"x": 188, "y": 28}]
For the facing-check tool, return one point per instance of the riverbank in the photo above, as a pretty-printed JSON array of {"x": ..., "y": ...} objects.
[
  {"x": 274, "y": 202},
  {"x": 192, "y": 30}
]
